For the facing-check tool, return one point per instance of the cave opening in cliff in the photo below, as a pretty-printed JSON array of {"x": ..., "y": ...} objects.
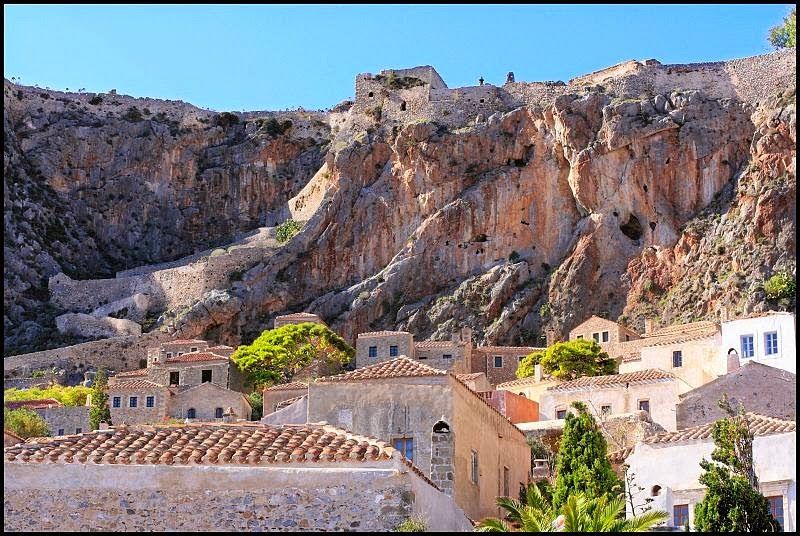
[{"x": 632, "y": 228}]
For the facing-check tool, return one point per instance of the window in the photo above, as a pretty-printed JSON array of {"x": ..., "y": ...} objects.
[
  {"x": 133, "y": 401},
  {"x": 373, "y": 351},
  {"x": 579, "y": 337},
  {"x": 150, "y": 401},
  {"x": 191, "y": 413},
  {"x": 520, "y": 358},
  {"x": 392, "y": 351},
  {"x": 447, "y": 356},
  {"x": 655, "y": 491},
  {"x": 218, "y": 413},
  {"x": 192, "y": 349},
  {"x": 116, "y": 402},
  {"x": 771, "y": 343},
  {"x": 473, "y": 465},
  {"x": 644, "y": 405},
  {"x": 677, "y": 358},
  {"x": 561, "y": 414},
  {"x": 596, "y": 337},
  {"x": 748, "y": 350},
  {"x": 205, "y": 376},
  {"x": 505, "y": 481},
  {"x": 180, "y": 354},
  {"x": 78, "y": 430},
  {"x": 680, "y": 515},
  {"x": 605, "y": 336},
  {"x": 422, "y": 357},
  {"x": 60, "y": 431},
  {"x": 498, "y": 361},
  {"x": 627, "y": 338},
  {"x": 776, "y": 508},
  {"x": 174, "y": 377},
  {"x": 405, "y": 445},
  {"x": 605, "y": 410},
  {"x": 169, "y": 354}
]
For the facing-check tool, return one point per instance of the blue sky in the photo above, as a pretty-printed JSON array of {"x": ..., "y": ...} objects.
[{"x": 274, "y": 57}]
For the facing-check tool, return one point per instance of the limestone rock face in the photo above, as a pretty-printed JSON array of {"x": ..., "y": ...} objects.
[{"x": 597, "y": 202}]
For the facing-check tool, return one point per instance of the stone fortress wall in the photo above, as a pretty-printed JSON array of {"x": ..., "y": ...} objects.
[{"x": 748, "y": 79}]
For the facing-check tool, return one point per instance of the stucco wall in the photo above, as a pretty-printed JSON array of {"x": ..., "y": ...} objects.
[
  {"x": 782, "y": 323},
  {"x": 532, "y": 390},
  {"x": 76, "y": 497},
  {"x": 662, "y": 395},
  {"x": 397, "y": 407},
  {"x": 517, "y": 408},
  {"x": 774, "y": 459},
  {"x": 701, "y": 362},
  {"x": 498, "y": 443}
]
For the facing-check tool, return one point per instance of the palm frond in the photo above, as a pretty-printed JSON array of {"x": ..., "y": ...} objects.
[{"x": 492, "y": 524}]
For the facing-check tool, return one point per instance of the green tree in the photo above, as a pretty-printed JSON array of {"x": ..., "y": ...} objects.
[
  {"x": 582, "y": 464},
  {"x": 69, "y": 396},
  {"x": 278, "y": 354},
  {"x": 25, "y": 423},
  {"x": 286, "y": 230},
  {"x": 569, "y": 360},
  {"x": 581, "y": 513},
  {"x": 99, "y": 411},
  {"x": 733, "y": 502},
  {"x": 527, "y": 367},
  {"x": 256, "y": 399},
  {"x": 785, "y": 35}
]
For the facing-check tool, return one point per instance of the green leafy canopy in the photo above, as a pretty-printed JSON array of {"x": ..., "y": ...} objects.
[{"x": 569, "y": 360}]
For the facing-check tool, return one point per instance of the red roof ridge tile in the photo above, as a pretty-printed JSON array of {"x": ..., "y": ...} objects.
[
  {"x": 609, "y": 380},
  {"x": 761, "y": 425},
  {"x": 399, "y": 367}
]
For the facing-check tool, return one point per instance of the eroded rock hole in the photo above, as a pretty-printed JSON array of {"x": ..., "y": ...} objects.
[
  {"x": 632, "y": 228},
  {"x": 652, "y": 226}
]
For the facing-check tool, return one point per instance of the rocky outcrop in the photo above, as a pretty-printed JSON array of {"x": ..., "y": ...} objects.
[
  {"x": 96, "y": 327},
  {"x": 595, "y": 202}
]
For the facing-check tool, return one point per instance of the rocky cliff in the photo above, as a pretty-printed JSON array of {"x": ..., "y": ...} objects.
[{"x": 676, "y": 205}]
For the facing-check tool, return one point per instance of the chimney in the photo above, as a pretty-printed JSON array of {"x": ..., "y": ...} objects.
[
  {"x": 733, "y": 360},
  {"x": 466, "y": 335},
  {"x": 229, "y": 415},
  {"x": 550, "y": 336},
  {"x": 648, "y": 325},
  {"x": 537, "y": 372}
]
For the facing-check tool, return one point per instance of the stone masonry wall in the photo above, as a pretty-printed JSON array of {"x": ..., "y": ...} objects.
[
  {"x": 403, "y": 341},
  {"x": 190, "y": 373},
  {"x": 72, "y": 419},
  {"x": 442, "y": 467},
  {"x": 59, "y": 497},
  {"x": 141, "y": 413}
]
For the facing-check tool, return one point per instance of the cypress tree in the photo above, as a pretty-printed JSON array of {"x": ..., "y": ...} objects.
[
  {"x": 99, "y": 411},
  {"x": 582, "y": 464}
]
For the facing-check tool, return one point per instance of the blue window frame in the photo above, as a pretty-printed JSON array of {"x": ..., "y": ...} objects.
[
  {"x": 393, "y": 351},
  {"x": 776, "y": 508},
  {"x": 498, "y": 361},
  {"x": 680, "y": 515},
  {"x": 115, "y": 402},
  {"x": 771, "y": 343},
  {"x": 373, "y": 351},
  {"x": 748, "y": 349},
  {"x": 191, "y": 413},
  {"x": 405, "y": 445},
  {"x": 677, "y": 358},
  {"x": 133, "y": 402},
  {"x": 150, "y": 401}
]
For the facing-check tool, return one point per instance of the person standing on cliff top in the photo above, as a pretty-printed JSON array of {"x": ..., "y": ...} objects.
[{"x": 480, "y": 80}]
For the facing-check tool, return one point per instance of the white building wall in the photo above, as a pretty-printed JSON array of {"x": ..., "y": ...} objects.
[
  {"x": 675, "y": 467},
  {"x": 782, "y": 323}
]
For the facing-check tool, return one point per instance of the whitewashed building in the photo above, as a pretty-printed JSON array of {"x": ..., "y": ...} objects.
[
  {"x": 667, "y": 466},
  {"x": 767, "y": 338}
]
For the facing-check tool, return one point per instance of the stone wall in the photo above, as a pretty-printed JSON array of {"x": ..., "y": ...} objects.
[
  {"x": 141, "y": 414},
  {"x": 205, "y": 399},
  {"x": 339, "y": 497},
  {"x": 190, "y": 374},
  {"x": 70, "y": 419},
  {"x": 273, "y": 398},
  {"x": 442, "y": 460},
  {"x": 404, "y": 342},
  {"x": 433, "y": 355},
  {"x": 484, "y": 361}
]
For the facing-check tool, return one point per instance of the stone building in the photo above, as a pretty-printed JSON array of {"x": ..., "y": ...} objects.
[
  {"x": 275, "y": 395},
  {"x": 601, "y": 330},
  {"x": 667, "y": 466},
  {"x": 468, "y": 448},
  {"x": 453, "y": 355},
  {"x": 60, "y": 419},
  {"x": 759, "y": 388},
  {"x": 653, "y": 391},
  {"x": 500, "y": 363},
  {"x": 297, "y": 318},
  {"x": 221, "y": 477},
  {"x": 532, "y": 387},
  {"x": 475, "y": 380},
  {"x": 767, "y": 338},
  {"x": 174, "y": 385}
]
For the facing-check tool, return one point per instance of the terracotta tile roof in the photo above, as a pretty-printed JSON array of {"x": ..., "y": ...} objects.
[
  {"x": 220, "y": 347},
  {"x": 205, "y": 444},
  {"x": 289, "y": 402},
  {"x": 134, "y": 384},
  {"x": 291, "y": 386},
  {"x": 704, "y": 328},
  {"x": 612, "y": 380},
  {"x": 130, "y": 374},
  {"x": 192, "y": 357},
  {"x": 400, "y": 367},
  {"x": 34, "y": 404},
  {"x": 437, "y": 344},
  {"x": 469, "y": 377},
  {"x": 520, "y": 382},
  {"x": 184, "y": 341},
  {"x": 619, "y": 456},
  {"x": 759, "y": 315},
  {"x": 517, "y": 349},
  {"x": 760, "y": 424},
  {"x": 381, "y": 333}
]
